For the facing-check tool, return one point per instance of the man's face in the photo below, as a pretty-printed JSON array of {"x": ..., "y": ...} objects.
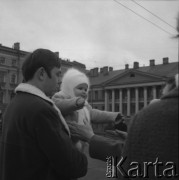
[{"x": 51, "y": 84}]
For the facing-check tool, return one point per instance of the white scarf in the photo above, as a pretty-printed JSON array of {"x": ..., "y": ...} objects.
[{"x": 28, "y": 88}]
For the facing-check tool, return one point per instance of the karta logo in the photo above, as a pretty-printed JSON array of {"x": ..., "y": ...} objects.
[{"x": 135, "y": 169}]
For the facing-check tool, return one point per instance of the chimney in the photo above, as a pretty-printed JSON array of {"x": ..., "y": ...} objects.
[
  {"x": 16, "y": 46},
  {"x": 165, "y": 60},
  {"x": 57, "y": 53},
  {"x": 126, "y": 66},
  {"x": 95, "y": 71},
  {"x": 136, "y": 65},
  {"x": 110, "y": 69},
  {"x": 101, "y": 70},
  {"x": 91, "y": 72},
  {"x": 152, "y": 62},
  {"x": 105, "y": 70}
]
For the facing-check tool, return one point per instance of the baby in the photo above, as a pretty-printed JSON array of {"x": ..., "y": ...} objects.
[{"x": 72, "y": 101}]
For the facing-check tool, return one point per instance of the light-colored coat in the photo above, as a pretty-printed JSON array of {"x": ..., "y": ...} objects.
[{"x": 69, "y": 110}]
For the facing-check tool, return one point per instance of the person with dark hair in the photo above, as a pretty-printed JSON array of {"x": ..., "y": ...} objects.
[
  {"x": 36, "y": 141},
  {"x": 169, "y": 85},
  {"x": 30, "y": 66}
]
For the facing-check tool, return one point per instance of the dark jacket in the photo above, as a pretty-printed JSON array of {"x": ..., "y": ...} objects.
[
  {"x": 153, "y": 137},
  {"x": 152, "y": 142},
  {"x": 35, "y": 144}
]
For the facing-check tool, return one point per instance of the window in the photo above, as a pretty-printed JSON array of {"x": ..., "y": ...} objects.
[
  {"x": 116, "y": 94},
  {"x": 110, "y": 107},
  {"x": 1, "y": 97},
  {"x": 2, "y": 76},
  {"x": 12, "y": 94},
  {"x": 2, "y": 60},
  {"x": 141, "y": 93},
  {"x": 13, "y": 79},
  {"x": 116, "y": 107},
  {"x": 132, "y": 75},
  {"x": 124, "y": 94},
  {"x": 14, "y": 62},
  {"x": 103, "y": 94},
  {"x": 96, "y": 95},
  {"x": 110, "y": 94}
]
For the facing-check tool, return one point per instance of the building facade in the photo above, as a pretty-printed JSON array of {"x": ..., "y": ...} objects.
[
  {"x": 126, "y": 90},
  {"x": 11, "y": 60},
  {"x": 130, "y": 89}
]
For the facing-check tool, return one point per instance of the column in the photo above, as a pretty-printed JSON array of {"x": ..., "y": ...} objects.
[
  {"x": 128, "y": 102},
  {"x": 106, "y": 100},
  {"x": 113, "y": 100},
  {"x": 145, "y": 96},
  {"x": 120, "y": 101},
  {"x": 136, "y": 99},
  {"x": 154, "y": 92}
]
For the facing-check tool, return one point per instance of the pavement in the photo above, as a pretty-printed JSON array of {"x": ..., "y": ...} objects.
[{"x": 96, "y": 169}]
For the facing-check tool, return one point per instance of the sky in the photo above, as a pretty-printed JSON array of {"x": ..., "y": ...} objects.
[{"x": 96, "y": 33}]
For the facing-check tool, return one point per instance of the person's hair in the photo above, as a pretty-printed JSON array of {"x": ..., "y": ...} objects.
[
  {"x": 171, "y": 82},
  {"x": 37, "y": 59}
]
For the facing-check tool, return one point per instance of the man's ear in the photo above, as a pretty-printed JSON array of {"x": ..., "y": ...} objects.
[{"x": 41, "y": 73}]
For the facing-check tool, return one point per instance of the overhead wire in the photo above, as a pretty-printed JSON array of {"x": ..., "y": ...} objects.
[
  {"x": 153, "y": 14},
  {"x": 143, "y": 17}
]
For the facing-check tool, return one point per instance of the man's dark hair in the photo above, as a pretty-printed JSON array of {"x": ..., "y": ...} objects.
[{"x": 39, "y": 58}]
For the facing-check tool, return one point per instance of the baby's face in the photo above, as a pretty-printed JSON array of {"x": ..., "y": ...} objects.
[{"x": 81, "y": 90}]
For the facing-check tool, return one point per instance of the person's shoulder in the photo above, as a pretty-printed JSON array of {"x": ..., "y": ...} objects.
[
  {"x": 60, "y": 95},
  {"x": 158, "y": 111},
  {"x": 33, "y": 101}
]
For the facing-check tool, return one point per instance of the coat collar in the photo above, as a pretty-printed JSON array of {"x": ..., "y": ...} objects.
[{"x": 28, "y": 88}]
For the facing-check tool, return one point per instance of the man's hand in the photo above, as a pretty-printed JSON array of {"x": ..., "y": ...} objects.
[{"x": 82, "y": 132}]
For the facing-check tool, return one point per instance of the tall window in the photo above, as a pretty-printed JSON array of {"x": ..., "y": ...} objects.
[
  {"x": 12, "y": 94},
  {"x": 141, "y": 94},
  {"x": 124, "y": 94},
  {"x": 1, "y": 97},
  {"x": 103, "y": 94},
  {"x": 2, "y": 76},
  {"x": 132, "y": 94},
  {"x": 159, "y": 91},
  {"x": 14, "y": 62},
  {"x": 13, "y": 79},
  {"x": 116, "y": 107},
  {"x": 116, "y": 94},
  {"x": 2, "y": 60},
  {"x": 110, "y": 94},
  {"x": 96, "y": 95}
]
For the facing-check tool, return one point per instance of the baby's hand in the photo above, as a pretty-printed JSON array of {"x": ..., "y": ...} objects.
[{"x": 80, "y": 102}]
